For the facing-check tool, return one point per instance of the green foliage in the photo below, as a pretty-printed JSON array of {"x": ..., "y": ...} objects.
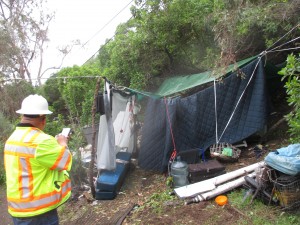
[
  {"x": 291, "y": 74},
  {"x": 78, "y": 93},
  {"x": 78, "y": 172},
  {"x": 6, "y": 128},
  {"x": 157, "y": 200},
  {"x": 2, "y": 171},
  {"x": 12, "y": 96},
  {"x": 169, "y": 181},
  {"x": 54, "y": 126},
  {"x": 51, "y": 92},
  {"x": 246, "y": 28},
  {"x": 166, "y": 37},
  {"x": 260, "y": 213}
]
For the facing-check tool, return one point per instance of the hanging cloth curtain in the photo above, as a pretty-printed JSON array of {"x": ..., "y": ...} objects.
[
  {"x": 106, "y": 157},
  {"x": 123, "y": 125}
]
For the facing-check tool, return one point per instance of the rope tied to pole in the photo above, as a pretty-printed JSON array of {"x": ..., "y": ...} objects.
[{"x": 174, "y": 153}]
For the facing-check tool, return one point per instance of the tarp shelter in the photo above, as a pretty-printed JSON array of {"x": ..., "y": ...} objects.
[{"x": 229, "y": 111}]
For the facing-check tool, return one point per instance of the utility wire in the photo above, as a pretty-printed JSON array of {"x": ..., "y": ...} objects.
[
  {"x": 261, "y": 54},
  {"x": 102, "y": 28},
  {"x": 107, "y": 24},
  {"x": 107, "y": 41}
]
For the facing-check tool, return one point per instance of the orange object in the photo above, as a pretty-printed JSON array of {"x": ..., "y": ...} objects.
[{"x": 221, "y": 200}]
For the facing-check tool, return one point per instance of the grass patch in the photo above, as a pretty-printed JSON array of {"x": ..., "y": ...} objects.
[
  {"x": 156, "y": 201},
  {"x": 259, "y": 213}
]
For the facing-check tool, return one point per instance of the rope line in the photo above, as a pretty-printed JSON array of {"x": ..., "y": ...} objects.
[
  {"x": 283, "y": 37},
  {"x": 284, "y": 44},
  {"x": 285, "y": 49},
  {"x": 259, "y": 59},
  {"x": 216, "y": 114},
  {"x": 171, "y": 130}
]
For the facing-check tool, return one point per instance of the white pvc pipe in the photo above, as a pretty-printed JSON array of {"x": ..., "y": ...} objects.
[
  {"x": 222, "y": 189},
  {"x": 192, "y": 190}
]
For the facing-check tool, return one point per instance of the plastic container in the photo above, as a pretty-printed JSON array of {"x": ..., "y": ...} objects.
[
  {"x": 179, "y": 173},
  {"x": 221, "y": 200}
]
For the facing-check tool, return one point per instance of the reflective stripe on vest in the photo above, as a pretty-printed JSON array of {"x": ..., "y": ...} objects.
[
  {"x": 39, "y": 202},
  {"x": 13, "y": 148},
  {"x": 26, "y": 181},
  {"x": 29, "y": 137},
  {"x": 27, "y": 150},
  {"x": 62, "y": 161}
]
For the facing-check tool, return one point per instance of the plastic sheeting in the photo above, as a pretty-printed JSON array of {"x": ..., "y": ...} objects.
[
  {"x": 106, "y": 157},
  {"x": 285, "y": 160},
  {"x": 123, "y": 126},
  {"x": 115, "y": 129}
]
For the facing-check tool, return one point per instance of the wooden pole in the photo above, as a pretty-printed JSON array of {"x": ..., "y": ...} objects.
[{"x": 93, "y": 153}]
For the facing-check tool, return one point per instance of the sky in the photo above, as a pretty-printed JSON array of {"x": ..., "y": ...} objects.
[{"x": 91, "y": 21}]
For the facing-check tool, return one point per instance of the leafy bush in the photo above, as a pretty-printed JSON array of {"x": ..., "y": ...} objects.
[
  {"x": 2, "y": 172},
  {"x": 11, "y": 97},
  {"x": 6, "y": 128},
  {"x": 78, "y": 173},
  {"x": 54, "y": 126},
  {"x": 291, "y": 73}
]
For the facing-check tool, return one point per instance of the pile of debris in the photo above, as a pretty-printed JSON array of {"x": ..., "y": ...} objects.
[{"x": 275, "y": 180}]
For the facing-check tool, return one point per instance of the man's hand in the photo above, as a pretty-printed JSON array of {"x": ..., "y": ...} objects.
[{"x": 62, "y": 140}]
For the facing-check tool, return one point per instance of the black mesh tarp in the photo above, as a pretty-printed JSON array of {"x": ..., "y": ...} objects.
[{"x": 193, "y": 117}]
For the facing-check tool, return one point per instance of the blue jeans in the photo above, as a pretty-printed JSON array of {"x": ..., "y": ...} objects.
[{"x": 48, "y": 218}]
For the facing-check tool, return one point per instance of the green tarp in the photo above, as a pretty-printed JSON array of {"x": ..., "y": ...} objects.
[{"x": 177, "y": 84}]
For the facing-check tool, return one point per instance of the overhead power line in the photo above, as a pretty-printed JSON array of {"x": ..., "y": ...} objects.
[
  {"x": 107, "y": 24},
  {"x": 108, "y": 40},
  {"x": 101, "y": 29}
]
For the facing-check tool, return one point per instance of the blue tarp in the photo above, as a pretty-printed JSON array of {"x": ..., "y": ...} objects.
[
  {"x": 285, "y": 160},
  {"x": 193, "y": 118}
]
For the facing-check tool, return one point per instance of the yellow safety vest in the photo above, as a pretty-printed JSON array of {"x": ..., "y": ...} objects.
[{"x": 36, "y": 172}]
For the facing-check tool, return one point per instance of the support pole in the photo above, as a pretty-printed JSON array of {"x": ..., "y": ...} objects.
[{"x": 93, "y": 153}]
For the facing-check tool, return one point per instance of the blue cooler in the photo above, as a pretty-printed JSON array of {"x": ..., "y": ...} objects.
[{"x": 109, "y": 182}]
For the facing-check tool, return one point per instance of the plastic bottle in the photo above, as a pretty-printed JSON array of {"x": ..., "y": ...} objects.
[{"x": 179, "y": 173}]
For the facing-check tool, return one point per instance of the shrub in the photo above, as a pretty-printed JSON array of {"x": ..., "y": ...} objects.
[
  {"x": 6, "y": 128},
  {"x": 291, "y": 73},
  {"x": 2, "y": 172}
]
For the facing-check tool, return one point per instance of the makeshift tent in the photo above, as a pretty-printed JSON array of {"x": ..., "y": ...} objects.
[{"x": 229, "y": 111}]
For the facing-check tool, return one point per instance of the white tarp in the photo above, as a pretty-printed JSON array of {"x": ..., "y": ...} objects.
[
  {"x": 115, "y": 130},
  {"x": 106, "y": 158}
]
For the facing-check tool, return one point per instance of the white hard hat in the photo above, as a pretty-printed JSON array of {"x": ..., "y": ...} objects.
[{"x": 34, "y": 105}]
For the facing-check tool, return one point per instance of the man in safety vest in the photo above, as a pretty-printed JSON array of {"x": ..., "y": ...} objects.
[{"x": 36, "y": 167}]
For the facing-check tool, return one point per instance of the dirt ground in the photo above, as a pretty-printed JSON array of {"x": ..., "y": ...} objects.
[
  {"x": 138, "y": 186},
  {"x": 4, "y": 216},
  {"x": 135, "y": 192},
  {"x": 131, "y": 206}
]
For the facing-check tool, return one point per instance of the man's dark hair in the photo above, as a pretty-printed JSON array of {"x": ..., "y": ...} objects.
[{"x": 32, "y": 116}]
